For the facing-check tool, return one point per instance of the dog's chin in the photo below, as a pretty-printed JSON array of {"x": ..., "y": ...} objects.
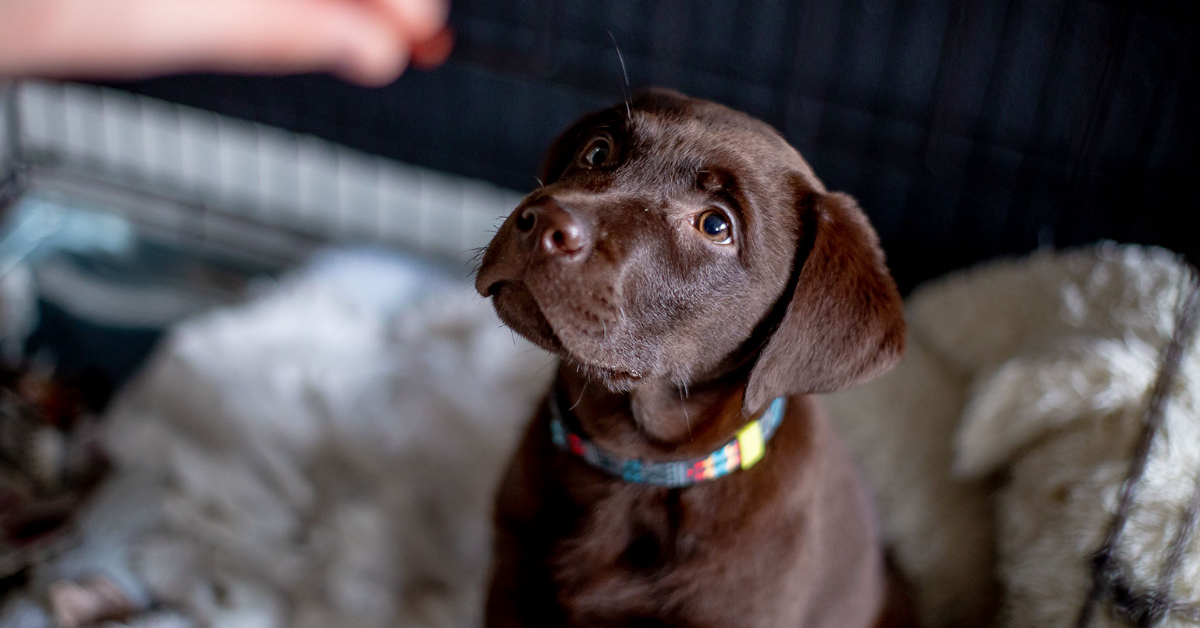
[
  {"x": 517, "y": 307},
  {"x": 595, "y": 363},
  {"x": 614, "y": 379}
]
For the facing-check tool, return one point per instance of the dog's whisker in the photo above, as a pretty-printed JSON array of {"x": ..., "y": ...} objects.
[
  {"x": 475, "y": 261},
  {"x": 580, "y": 399},
  {"x": 625, "y": 73},
  {"x": 687, "y": 420}
]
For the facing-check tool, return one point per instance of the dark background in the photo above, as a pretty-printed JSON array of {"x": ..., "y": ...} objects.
[{"x": 966, "y": 129}]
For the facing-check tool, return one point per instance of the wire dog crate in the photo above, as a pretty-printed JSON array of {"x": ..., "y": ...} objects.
[
  {"x": 133, "y": 212},
  {"x": 224, "y": 180}
]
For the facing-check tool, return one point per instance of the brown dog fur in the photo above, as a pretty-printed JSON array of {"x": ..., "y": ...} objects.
[{"x": 670, "y": 342}]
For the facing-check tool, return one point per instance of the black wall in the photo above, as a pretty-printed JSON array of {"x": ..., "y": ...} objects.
[{"x": 967, "y": 129}]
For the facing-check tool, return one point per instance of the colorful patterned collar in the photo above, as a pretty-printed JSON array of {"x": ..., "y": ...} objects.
[{"x": 743, "y": 451}]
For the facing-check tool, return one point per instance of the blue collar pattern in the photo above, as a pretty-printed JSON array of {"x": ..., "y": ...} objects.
[{"x": 741, "y": 452}]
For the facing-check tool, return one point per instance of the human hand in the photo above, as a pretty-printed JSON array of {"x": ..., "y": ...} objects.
[{"x": 367, "y": 41}]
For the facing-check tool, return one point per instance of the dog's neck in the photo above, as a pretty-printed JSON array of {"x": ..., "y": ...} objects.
[{"x": 656, "y": 417}]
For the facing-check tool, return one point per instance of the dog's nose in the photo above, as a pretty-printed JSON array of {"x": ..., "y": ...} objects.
[{"x": 552, "y": 229}]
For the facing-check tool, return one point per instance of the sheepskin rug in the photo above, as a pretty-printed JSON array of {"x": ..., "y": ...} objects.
[
  {"x": 321, "y": 457},
  {"x": 998, "y": 447},
  {"x": 324, "y": 455}
]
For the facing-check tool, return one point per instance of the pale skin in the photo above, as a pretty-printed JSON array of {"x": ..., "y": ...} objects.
[{"x": 370, "y": 42}]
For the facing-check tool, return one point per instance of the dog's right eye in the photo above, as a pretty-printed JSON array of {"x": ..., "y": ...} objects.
[{"x": 596, "y": 152}]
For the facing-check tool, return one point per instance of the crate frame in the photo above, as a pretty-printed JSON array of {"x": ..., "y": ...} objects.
[{"x": 239, "y": 187}]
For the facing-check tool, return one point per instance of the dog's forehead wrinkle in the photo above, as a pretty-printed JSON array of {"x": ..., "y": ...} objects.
[{"x": 697, "y": 135}]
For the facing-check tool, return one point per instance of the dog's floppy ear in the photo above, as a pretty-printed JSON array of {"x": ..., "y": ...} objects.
[{"x": 844, "y": 323}]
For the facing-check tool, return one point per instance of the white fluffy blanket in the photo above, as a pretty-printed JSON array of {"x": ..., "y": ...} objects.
[
  {"x": 998, "y": 447},
  {"x": 325, "y": 455}
]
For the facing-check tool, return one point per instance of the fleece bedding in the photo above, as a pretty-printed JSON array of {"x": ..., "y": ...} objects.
[
  {"x": 998, "y": 447},
  {"x": 324, "y": 454}
]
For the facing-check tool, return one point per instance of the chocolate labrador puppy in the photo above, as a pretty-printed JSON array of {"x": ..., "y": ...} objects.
[{"x": 699, "y": 283}]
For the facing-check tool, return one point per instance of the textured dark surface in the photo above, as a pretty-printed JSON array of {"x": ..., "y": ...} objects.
[{"x": 966, "y": 129}]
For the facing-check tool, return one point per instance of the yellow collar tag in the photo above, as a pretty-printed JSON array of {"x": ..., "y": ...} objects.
[{"x": 750, "y": 442}]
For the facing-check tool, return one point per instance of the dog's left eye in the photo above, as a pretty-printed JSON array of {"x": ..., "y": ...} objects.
[
  {"x": 715, "y": 227},
  {"x": 596, "y": 152}
]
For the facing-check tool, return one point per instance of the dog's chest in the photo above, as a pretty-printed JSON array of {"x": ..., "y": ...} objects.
[{"x": 642, "y": 556}]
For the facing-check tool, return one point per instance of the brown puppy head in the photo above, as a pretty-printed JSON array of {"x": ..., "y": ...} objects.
[{"x": 676, "y": 239}]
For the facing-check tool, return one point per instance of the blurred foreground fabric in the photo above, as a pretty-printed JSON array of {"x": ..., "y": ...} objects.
[
  {"x": 321, "y": 456},
  {"x": 325, "y": 454}
]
